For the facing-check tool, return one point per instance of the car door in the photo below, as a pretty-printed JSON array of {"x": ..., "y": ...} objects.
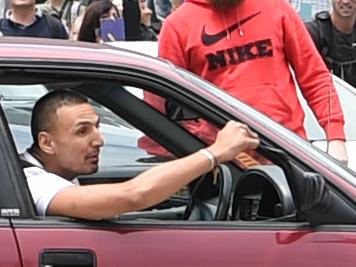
[
  {"x": 154, "y": 237},
  {"x": 9, "y": 253},
  {"x": 10, "y": 203}
]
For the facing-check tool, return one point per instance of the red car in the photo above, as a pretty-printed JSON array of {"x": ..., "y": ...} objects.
[{"x": 288, "y": 204}]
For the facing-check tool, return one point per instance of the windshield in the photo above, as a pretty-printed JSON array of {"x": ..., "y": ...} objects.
[{"x": 17, "y": 92}]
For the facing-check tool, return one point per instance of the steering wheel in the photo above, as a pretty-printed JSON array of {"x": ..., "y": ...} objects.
[
  {"x": 207, "y": 208},
  {"x": 257, "y": 197}
]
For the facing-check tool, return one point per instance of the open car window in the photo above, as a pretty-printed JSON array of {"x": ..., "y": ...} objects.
[
  {"x": 144, "y": 126},
  {"x": 194, "y": 123},
  {"x": 121, "y": 138}
]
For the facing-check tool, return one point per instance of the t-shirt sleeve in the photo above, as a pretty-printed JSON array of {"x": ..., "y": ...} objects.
[{"x": 44, "y": 186}]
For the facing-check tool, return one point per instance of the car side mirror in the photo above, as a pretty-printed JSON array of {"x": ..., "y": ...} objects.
[
  {"x": 314, "y": 199},
  {"x": 176, "y": 112},
  {"x": 321, "y": 205}
]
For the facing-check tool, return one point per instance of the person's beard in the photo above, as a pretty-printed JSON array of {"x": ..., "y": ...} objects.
[{"x": 222, "y": 5}]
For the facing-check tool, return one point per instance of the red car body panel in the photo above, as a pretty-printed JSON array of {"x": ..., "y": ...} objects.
[
  {"x": 192, "y": 247},
  {"x": 9, "y": 254}
]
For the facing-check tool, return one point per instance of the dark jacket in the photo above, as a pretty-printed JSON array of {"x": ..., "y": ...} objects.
[
  {"x": 45, "y": 26},
  {"x": 340, "y": 59}
]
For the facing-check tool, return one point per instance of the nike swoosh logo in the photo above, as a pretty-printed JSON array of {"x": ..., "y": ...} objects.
[{"x": 210, "y": 39}]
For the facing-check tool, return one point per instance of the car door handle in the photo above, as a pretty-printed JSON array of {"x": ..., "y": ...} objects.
[{"x": 67, "y": 258}]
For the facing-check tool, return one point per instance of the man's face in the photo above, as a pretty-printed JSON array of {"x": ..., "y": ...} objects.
[
  {"x": 344, "y": 8},
  {"x": 22, "y": 3},
  {"x": 76, "y": 140}
]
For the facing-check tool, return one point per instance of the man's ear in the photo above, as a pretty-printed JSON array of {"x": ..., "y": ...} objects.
[{"x": 45, "y": 143}]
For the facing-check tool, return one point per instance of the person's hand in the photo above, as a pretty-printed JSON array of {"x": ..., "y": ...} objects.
[
  {"x": 234, "y": 138},
  {"x": 337, "y": 149},
  {"x": 146, "y": 14},
  {"x": 111, "y": 37}
]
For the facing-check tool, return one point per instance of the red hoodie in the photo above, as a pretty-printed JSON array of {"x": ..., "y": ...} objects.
[{"x": 247, "y": 52}]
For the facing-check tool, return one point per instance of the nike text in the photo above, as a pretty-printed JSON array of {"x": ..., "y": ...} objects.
[{"x": 239, "y": 54}]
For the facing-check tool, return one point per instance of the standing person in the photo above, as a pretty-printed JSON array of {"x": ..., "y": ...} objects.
[
  {"x": 334, "y": 34},
  {"x": 146, "y": 31},
  {"x": 247, "y": 47},
  {"x": 23, "y": 19},
  {"x": 67, "y": 11},
  {"x": 67, "y": 142},
  {"x": 90, "y": 30},
  {"x": 74, "y": 31},
  {"x": 138, "y": 23}
]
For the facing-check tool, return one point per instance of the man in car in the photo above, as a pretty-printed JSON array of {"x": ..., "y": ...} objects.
[{"x": 67, "y": 142}]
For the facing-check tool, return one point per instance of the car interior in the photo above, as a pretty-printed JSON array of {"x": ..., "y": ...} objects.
[{"x": 260, "y": 186}]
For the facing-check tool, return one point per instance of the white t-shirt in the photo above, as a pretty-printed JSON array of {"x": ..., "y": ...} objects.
[{"x": 43, "y": 185}]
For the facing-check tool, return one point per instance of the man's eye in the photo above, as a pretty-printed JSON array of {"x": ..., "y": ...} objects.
[{"x": 82, "y": 131}]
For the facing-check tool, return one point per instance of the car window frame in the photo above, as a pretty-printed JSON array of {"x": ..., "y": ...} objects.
[{"x": 219, "y": 115}]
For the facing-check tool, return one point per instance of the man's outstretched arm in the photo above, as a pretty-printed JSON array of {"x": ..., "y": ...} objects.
[{"x": 153, "y": 186}]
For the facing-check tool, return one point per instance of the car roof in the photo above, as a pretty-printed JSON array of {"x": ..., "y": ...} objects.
[{"x": 67, "y": 50}]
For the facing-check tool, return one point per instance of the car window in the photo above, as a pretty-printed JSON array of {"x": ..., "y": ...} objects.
[
  {"x": 191, "y": 121},
  {"x": 121, "y": 138},
  {"x": 18, "y": 92}
]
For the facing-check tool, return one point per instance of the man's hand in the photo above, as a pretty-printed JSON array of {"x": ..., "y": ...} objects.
[
  {"x": 337, "y": 149},
  {"x": 234, "y": 138}
]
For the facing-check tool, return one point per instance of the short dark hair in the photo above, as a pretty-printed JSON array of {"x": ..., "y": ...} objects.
[{"x": 44, "y": 111}]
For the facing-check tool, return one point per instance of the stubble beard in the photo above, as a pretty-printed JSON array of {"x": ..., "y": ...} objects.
[{"x": 222, "y": 5}]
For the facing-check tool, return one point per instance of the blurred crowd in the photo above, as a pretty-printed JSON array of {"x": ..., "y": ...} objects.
[{"x": 86, "y": 20}]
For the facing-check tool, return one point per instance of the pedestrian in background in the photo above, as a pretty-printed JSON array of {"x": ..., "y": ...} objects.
[
  {"x": 334, "y": 34},
  {"x": 147, "y": 33},
  {"x": 24, "y": 19},
  {"x": 67, "y": 11},
  {"x": 138, "y": 23},
  {"x": 247, "y": 47},
  {"x": 90, "y": 30},
  {"x": 74, "y": 31}
]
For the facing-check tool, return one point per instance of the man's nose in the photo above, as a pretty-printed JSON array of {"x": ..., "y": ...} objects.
[{"x": 98, "y": 139}]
